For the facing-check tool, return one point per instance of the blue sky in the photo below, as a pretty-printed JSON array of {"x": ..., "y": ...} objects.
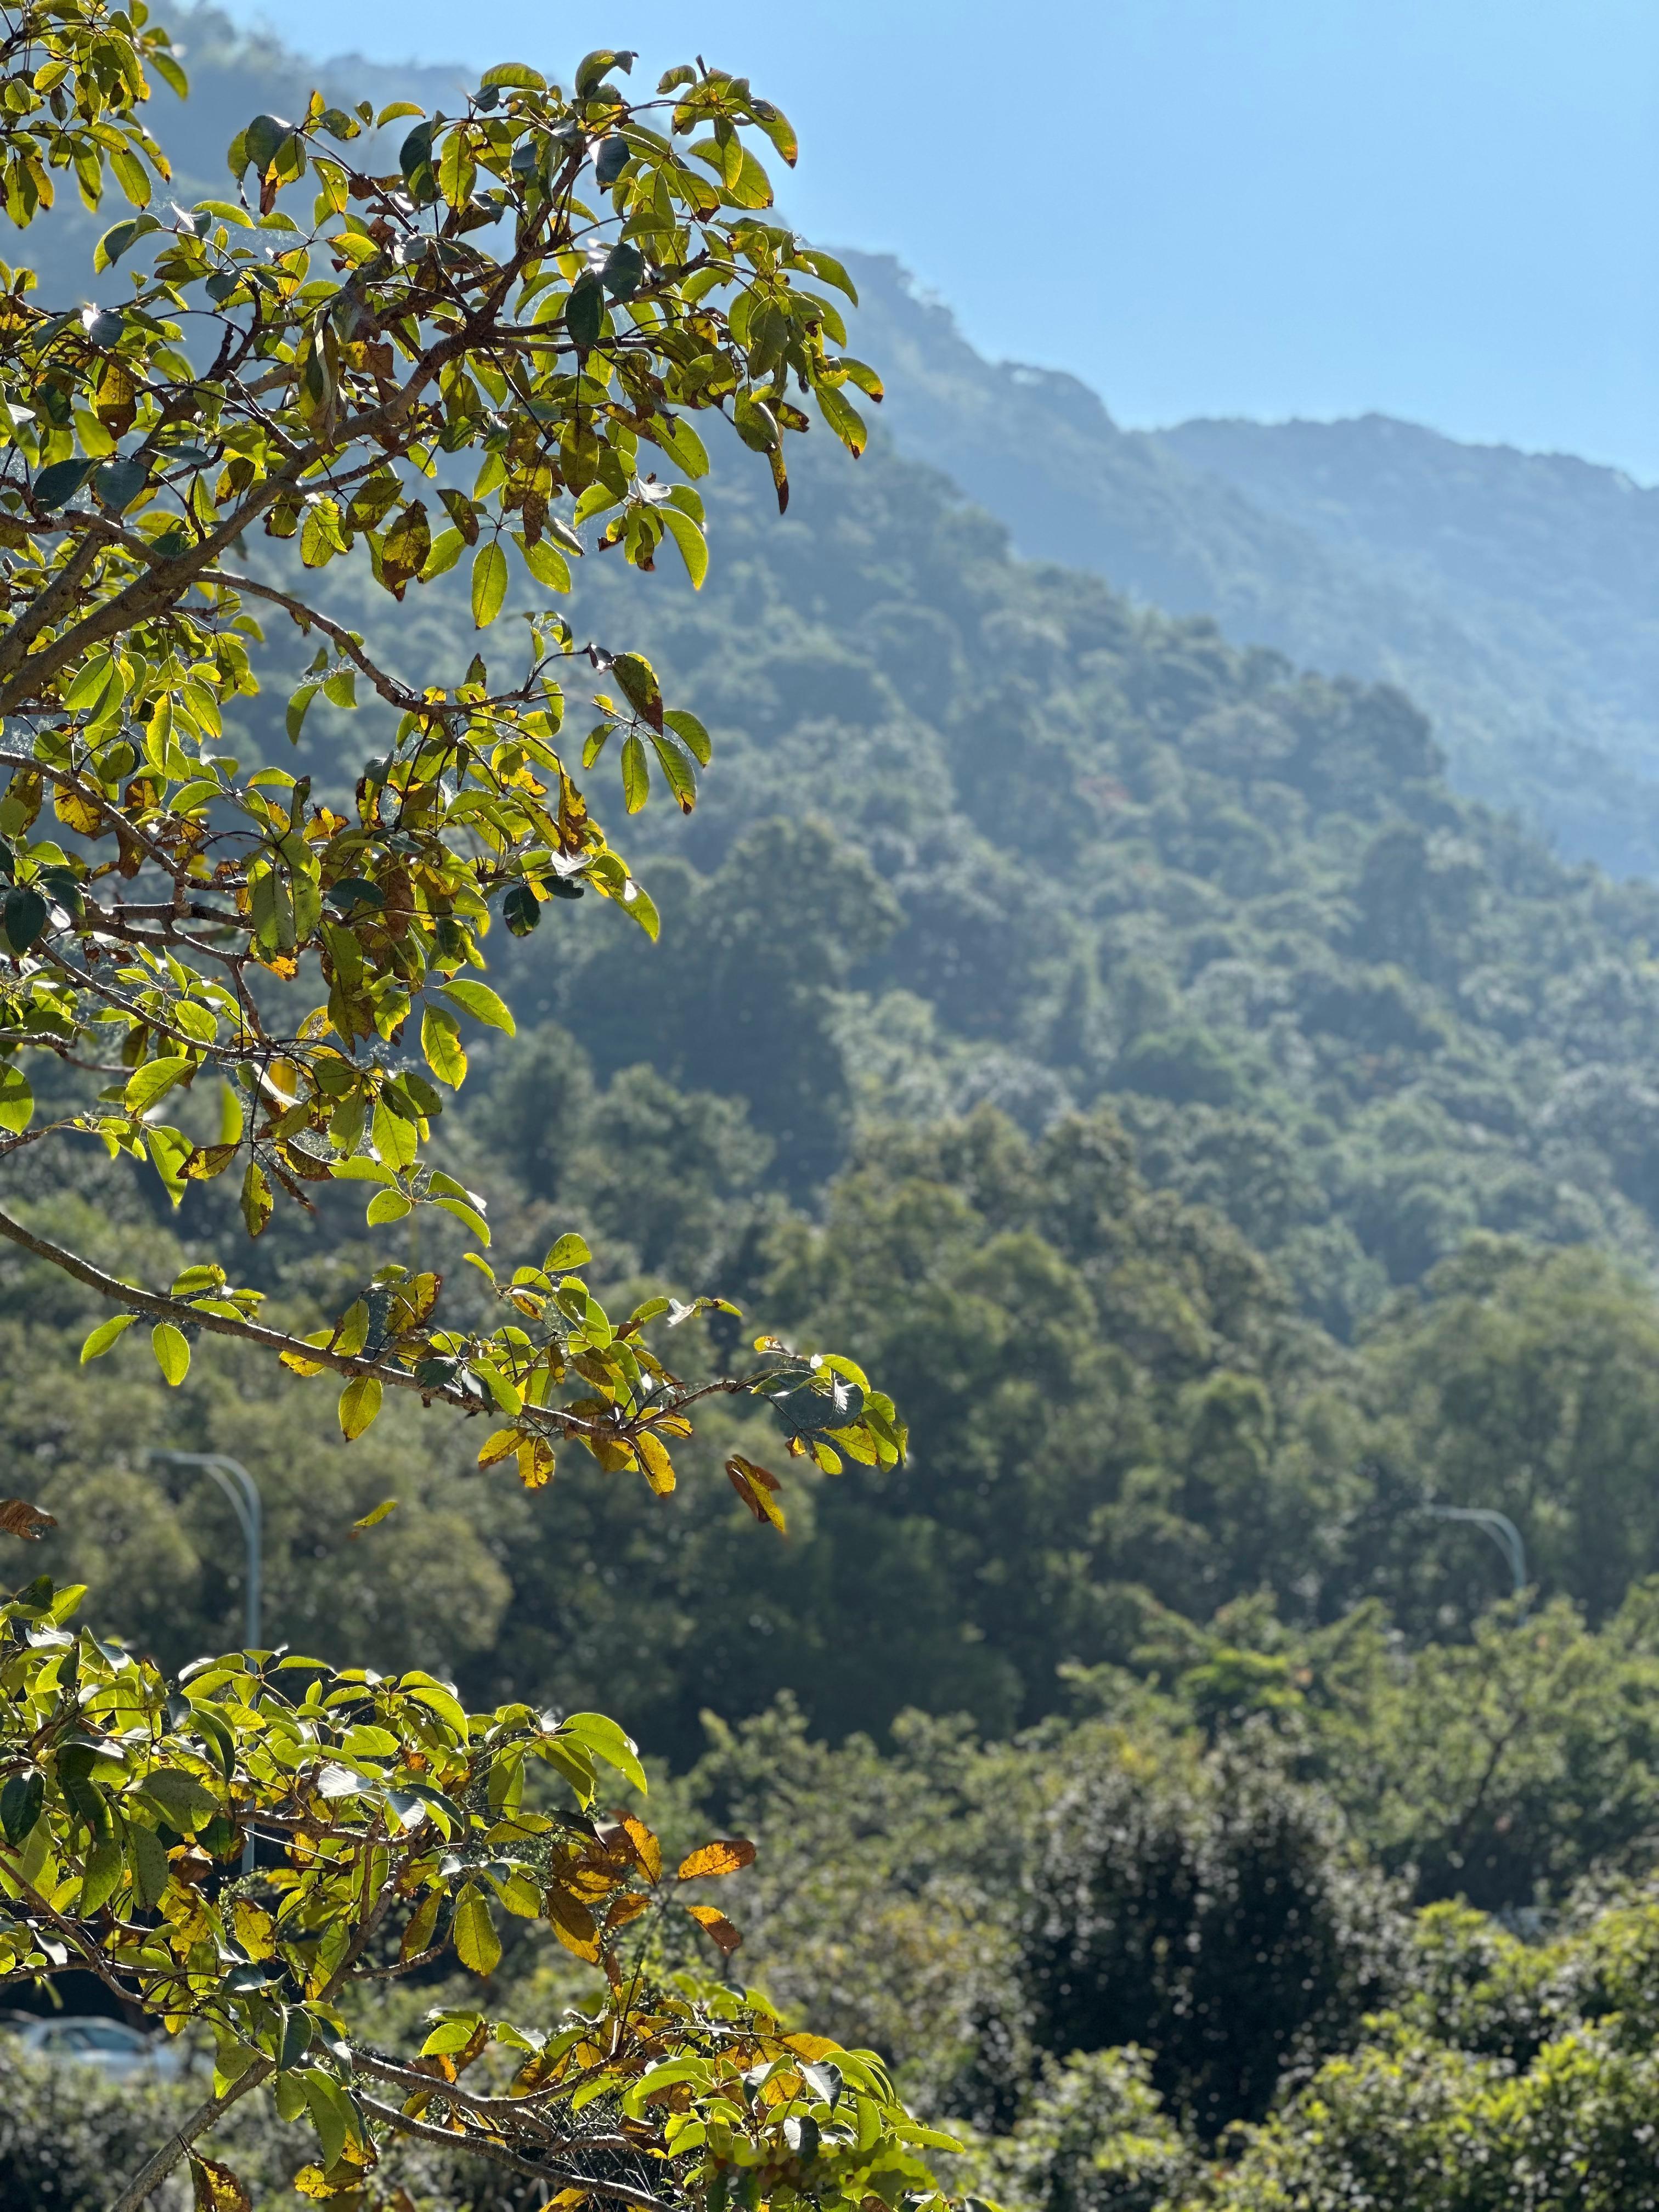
[{"x": 1445, "y": 209}]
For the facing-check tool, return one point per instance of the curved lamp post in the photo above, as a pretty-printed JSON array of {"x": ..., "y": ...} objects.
[
  {"x": 239, "y": 1485},
  {"x": 1499, "y": 1526}
]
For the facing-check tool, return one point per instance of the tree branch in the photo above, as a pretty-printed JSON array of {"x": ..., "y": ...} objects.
[
  {"x": 155, "y": 2169},
  {"x": 564, "y": 2177}
]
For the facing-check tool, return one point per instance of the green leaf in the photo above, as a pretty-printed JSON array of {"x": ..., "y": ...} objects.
[
  {"x": 693, "y": 546},
  {"x": 584, "y": 310},
  {"x": 844, "y": 419},
  {"x": 482, "y": 1003},
  {"x": 25, "y": 915},
  {"x": 777, "y": 125},
  {"x": 545, "y": 562},
  {"x": 677, "y": 439},
  {"x": 636, "y": 901},
  {"x": 146, "y": 1856},
  {"x": 458, "y": 172},
  {"x": 106, "y": 1864},
  {"x": 638, "y": 679},
  {"x": 152, "y": 1082},
  {"x": 446, "y": 550},
  {"x": 329, "y": 2110},
  {"x": 105, "y": 1334},
  {"x": 131, "y": 175},
  {"x": 440, "y": 1042},
  {"x": 477, "y": 1946},
  {"x": 297, "y": 706},
  {"x": 691, "y": 734},
  {"x": 16, "y": 1099},
  {"x": 488, "y": 583},
  {"x": 570, "y": 1251},
  {"x": 462, "y": 1211},
  {"x": 388, "y": 1205},
  {"x": 636, "y": 779},
  {"x": 181, "y": 1798},
  {"x": 360, "y": 1401},
  {"x": 21, "y": 1803},
  {"x": 119, "y": 238},
  {"x": 600, "y": 1735},
  {"x": 826, "y": 266},
  {"x": 677, "y": 770},
  {"x": 172, "y": 1351},
  {"x": 594, "y": 68}
]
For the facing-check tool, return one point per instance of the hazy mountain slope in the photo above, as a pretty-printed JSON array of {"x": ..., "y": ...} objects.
[
  {"x": 1555, "y": 558},
  {"x": 1508, "y": 595}
]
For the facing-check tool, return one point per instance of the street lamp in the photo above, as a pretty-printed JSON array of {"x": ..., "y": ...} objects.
[
  {"x": 1499, "y": 1526},
  {"x": 239, "y": 1485}
]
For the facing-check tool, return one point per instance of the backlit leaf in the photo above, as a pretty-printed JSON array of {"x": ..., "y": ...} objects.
[
  {"x": 441, "y": 1043},
  {"x": 488, "y": 583},
  {"x": 482, "y": 1003},
  {"x": 172, "y": 1351},
  {"x": 360, "y": 1401},
  {"x": 716, "y": 1924},
  {"x": 728, "y": 1857},
  {"x": 105, "y": 1334},
  {"x": 477, "y": 1946}
]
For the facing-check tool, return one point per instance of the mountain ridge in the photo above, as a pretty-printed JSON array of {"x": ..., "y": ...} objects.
[{"x": 1519, "y": 635}]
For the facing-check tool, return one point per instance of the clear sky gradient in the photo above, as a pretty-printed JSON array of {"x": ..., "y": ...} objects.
[{"x": 1444, "y": 210}]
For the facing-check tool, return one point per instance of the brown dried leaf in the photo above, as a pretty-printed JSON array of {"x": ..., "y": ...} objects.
[{"x": 19, "y": 1518}]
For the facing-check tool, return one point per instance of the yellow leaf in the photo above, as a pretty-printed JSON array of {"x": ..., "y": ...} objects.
[
  {"x": 373, "y": 1518},
  {"x": 653, "y": 1458},
  {"x": 647, "y": 1848},
  {"x": 716, "y": 1924},
  {"x": 535, "y": 1462},
  {"x": 726, "y": 1856},
  {"x": 573, "y": 1923},
  {"x": 360, "y": 1401},
  {"x": 757, "y": 1487},
  {"x": 217, "y": 2189},
  {"x": 810, "y": 2046},
  {"x": 257, "y": 1202},
  {"x": 256, "y": 1931},
  {"x": 498, "y": 1446}
]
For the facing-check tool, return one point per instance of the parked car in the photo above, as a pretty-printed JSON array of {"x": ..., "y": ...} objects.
[{"x": 116, "y": 2050}]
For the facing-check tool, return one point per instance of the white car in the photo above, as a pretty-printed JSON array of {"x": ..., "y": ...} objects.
[{"x": 116, "y": 2050}]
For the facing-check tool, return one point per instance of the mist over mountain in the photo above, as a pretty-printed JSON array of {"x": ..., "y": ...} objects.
[{"x": 1512, "y": 595}]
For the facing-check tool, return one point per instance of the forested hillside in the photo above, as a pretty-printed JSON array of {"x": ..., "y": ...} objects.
[
  {"x": 1510, "y": 595},
  {"x": 1159, "y": 1008}
]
